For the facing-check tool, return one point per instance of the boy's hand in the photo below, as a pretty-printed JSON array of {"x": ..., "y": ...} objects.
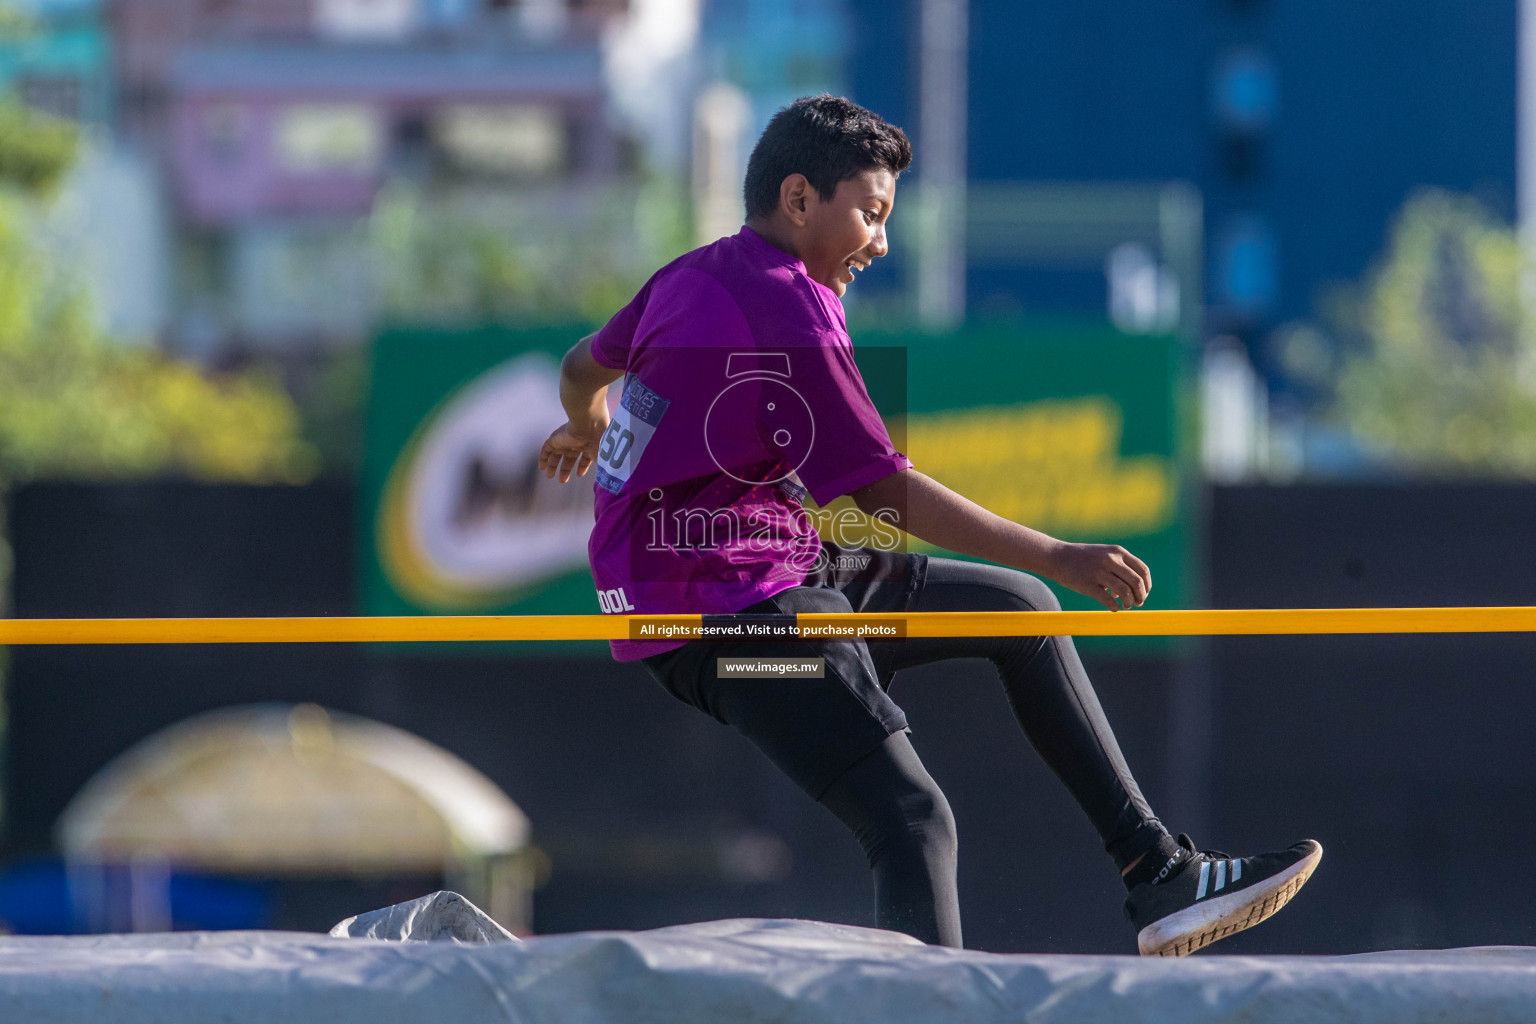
[
  {"x": 568, "y": 449},
  {"x": 1107, "y": 573},
  {"x": 929, "y": 511}
]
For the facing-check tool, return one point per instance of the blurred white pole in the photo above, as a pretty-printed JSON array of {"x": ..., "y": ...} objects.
[
  {"x": 149, "y": 895},
  {"x": 719, "y": 120},
  {"x": 943, "y": 70},
  {"x": 1235, "y": 414}
]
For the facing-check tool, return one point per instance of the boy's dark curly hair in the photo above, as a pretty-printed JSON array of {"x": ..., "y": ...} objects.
[{"x": 826, "y": 138}]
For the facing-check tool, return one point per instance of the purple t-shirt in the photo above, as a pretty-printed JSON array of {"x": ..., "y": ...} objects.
[{"x": 740, "y": 394}]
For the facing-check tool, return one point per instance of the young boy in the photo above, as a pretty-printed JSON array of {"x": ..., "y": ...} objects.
[{"x": 740, "y": 396}]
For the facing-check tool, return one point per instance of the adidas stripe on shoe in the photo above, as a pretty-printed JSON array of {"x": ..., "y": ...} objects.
[{"x": 1204, "y": 896}]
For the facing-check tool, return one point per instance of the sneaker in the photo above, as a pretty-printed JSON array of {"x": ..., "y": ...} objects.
[{"x": 1205, "y": 895}]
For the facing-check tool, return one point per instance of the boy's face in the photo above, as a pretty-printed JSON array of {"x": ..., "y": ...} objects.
[{"x": 845, "y": 233}]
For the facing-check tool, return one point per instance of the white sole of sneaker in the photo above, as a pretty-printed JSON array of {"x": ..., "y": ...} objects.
[{"x": 1202, "y": 924}]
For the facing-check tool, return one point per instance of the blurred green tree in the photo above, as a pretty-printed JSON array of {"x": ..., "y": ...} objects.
[
  {"x": 1438, "y": 363},
  {"x": 74, "y": 403},
  {"x": 36, "y": 150},
  {"x": 487, "y": 256}
]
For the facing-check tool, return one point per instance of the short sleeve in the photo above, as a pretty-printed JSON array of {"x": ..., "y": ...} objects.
[
  {"x": 851, "y": 447},
  {"x": 610, "y": 345}
]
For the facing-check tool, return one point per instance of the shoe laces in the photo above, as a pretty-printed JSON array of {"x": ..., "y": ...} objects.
[{"x": 1189, "y": 844}]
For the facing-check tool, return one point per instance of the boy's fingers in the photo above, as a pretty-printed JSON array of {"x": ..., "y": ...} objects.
[
  {"x": 549, "y": 458},
  {"x": 1130, "y": 585},
  {"x": 1133, "y": 571},
  {"x": 1140, "y": 567}
]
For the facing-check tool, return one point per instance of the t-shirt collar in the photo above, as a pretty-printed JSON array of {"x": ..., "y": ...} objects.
[{"x": 766, "y": 248}]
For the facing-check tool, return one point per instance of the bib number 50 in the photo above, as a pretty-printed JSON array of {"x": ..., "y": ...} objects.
[
  {"x": 617, "y": 442},
  {"x": 631, "y": 429}
]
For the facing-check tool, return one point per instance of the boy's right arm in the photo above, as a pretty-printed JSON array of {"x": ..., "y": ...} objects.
[
  {"x": 584, "y": 394},
  {"x": 932, "y": 512}
]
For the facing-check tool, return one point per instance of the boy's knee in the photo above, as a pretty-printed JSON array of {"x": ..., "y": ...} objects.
[
  {"x": 1033, "y": 594},
  {"x": 929, "y": 819},
  {"x": 943, "y": 833},
  {"x": 1016, "y": 590},
  {"x": 812, "y": 601},
  {"x": 979, "y": 586}
]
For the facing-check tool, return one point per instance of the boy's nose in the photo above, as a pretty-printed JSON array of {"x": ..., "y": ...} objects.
[{"x": 878, "y": 247}]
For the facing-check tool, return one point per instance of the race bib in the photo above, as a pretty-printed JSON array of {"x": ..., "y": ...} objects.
[{"x": 629, "y": 432}]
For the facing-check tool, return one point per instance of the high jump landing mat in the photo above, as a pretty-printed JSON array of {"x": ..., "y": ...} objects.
[{"x": 730, "y": 972}]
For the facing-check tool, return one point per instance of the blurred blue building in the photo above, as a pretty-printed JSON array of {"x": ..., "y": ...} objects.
[
  {"x": 775, "y": 50},
  {"x": 56, "y": 57},
  {"x": 272, "y": 125},
  {"x": 1304, "y": 124}
]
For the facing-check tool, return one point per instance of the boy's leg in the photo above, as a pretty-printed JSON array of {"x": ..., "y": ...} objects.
[
  {"x": 901, "y": 819},
  {"x": 843, "y": 741},
  {"x": 1181, "y": 899},
  {"x": 1047, "y": 687}
]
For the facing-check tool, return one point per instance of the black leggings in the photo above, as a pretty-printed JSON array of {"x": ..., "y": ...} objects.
[{"x": 898, "y": 813}]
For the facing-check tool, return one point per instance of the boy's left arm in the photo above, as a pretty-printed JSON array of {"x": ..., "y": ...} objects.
[
  {"x": 584, "y": 394},
  {"x": 928, "y": 510}
]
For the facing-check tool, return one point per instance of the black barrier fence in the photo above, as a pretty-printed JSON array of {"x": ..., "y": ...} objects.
[{"x": 1406, "y": 756}]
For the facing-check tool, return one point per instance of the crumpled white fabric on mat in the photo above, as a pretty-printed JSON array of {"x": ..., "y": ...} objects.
[
  {"x": 729, "y": 972},
  {"x": 440, "y": 916}
]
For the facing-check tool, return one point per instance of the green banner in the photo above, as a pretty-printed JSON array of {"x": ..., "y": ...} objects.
[{"x": 1069, "y": 428}]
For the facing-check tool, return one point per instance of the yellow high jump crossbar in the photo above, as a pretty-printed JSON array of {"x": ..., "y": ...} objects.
[{"x": 381, "y": 629}]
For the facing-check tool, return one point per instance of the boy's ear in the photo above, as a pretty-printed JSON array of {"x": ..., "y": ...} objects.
[{"x": 795, "y": 198}]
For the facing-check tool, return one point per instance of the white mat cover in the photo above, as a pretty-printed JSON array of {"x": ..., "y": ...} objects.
[{"x": 740, "y": 971}]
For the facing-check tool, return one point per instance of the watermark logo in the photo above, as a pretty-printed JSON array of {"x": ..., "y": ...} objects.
[
  {"x": 760, "y": 404},
  {"x": 749, "y": 515},
  {"x": 758, "y": 530}
]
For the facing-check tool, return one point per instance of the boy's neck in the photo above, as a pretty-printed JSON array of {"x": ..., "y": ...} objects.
[{"x": 776, "y": 233}]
